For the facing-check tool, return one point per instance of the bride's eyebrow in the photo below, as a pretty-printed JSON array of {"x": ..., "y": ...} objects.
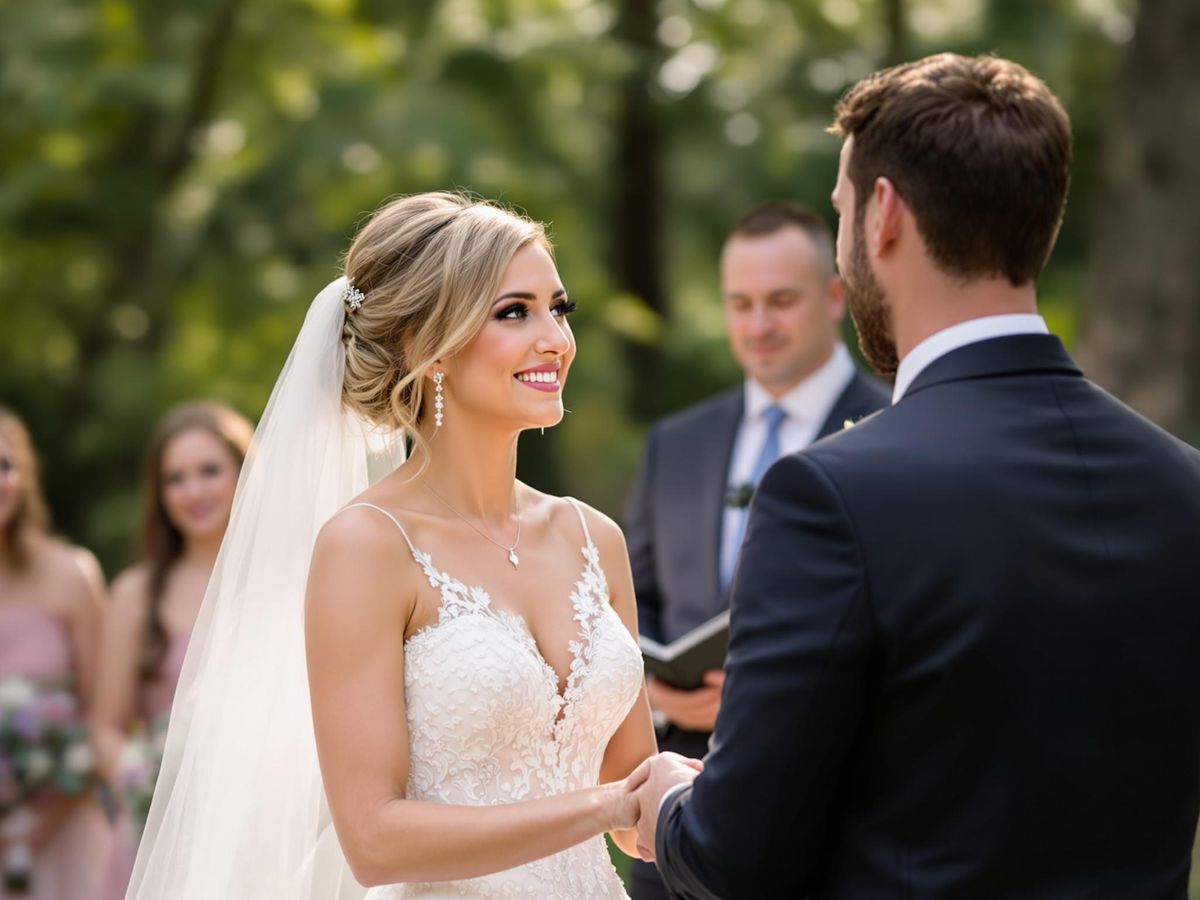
[{"x": 523, "y": 295}]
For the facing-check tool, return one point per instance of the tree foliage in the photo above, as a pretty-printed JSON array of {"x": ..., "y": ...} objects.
[
  {"x": 179, "y": 178},
  {"x": 1143, "y": 334}
]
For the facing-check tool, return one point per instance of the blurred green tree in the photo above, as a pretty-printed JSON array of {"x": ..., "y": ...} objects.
[
  {"x": 1142, "y": 339},
  {"x": 177, "y": 179}
]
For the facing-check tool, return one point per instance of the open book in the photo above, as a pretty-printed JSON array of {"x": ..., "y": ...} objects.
[{"x": 684, "y": 661}]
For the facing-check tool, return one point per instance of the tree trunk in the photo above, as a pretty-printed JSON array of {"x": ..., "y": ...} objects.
[
  {"x": 133, "y": 235},
  {"x": 1141, "y": 336},
  {"x": 637, "y": 212},
  {"x": 897, "y": 31}
]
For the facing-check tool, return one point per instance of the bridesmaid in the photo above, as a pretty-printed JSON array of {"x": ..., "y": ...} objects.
[
  {"x": 191, "y": 471},
  {"x": 50, "y": 597}
]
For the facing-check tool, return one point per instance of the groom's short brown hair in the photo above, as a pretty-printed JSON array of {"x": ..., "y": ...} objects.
[{"x": 980, "y": 150}]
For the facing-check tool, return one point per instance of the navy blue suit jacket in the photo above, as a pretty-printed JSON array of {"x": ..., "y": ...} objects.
[
  {"x": 673, "y": 523},
  {"x": 965, "y": 654}
]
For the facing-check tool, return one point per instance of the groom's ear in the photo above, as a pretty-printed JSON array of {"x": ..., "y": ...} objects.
[{"x": 890, "y": 211}]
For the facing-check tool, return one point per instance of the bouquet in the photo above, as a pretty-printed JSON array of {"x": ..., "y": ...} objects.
[
  {"x": 138, "y": 768},
  {"x": 43, "y": 747}
]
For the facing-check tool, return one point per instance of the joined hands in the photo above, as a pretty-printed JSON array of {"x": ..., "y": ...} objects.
[{"x": 638, "y": 798}]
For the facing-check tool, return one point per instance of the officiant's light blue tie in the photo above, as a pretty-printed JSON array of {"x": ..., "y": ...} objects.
[{"x": 774, "y": 416}]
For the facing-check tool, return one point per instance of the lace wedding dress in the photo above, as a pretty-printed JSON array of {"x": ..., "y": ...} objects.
[{"x": 487, "y": 724}]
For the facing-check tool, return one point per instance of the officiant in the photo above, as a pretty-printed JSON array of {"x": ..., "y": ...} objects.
[{"x": 687, "y": 514}]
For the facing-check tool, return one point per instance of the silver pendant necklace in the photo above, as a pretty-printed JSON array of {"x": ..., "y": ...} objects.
[{"x": 511, "y": 551}]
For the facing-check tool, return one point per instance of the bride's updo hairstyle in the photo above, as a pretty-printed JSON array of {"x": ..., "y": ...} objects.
[{"x": 429, "y": 267}]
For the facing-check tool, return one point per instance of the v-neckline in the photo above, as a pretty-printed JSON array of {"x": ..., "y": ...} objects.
[{"x": 577, "y": 647}]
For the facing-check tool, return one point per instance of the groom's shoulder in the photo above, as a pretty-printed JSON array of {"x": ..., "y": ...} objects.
[
  {"x": 874, "y": 430},
  {"x": 867, "y": 448}
]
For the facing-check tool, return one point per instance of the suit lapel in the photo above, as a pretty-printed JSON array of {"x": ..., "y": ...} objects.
[
  {"x": 712, "y": 475},
  {"x": 714, "y": 451}
]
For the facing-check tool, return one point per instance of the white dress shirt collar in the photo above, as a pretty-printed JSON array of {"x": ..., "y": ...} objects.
[
  {"x": 939, "y": 344},
  {"x": 813, "y": 397},
  {"x": 807, "y": 406}
]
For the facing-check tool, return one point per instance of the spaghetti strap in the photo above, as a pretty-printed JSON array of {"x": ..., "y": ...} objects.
[
  {"x": 395, "y": 521},
  {"x": 587, "y": 535}
]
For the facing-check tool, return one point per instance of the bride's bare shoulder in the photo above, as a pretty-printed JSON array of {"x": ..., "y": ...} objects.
[
  {"x": 609, "y": 541},
  {"x": 565, "y": 512},
  {"x": 363, "y": 550},
  {"x": 380, "y": 515},
  {"x": 360, "y": 525}
]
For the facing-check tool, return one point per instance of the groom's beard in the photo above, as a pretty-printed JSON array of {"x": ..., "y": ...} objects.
[{"x": 869, "y": 310}]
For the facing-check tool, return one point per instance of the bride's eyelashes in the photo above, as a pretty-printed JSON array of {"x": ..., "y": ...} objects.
[{"x": 517, "y": 311}]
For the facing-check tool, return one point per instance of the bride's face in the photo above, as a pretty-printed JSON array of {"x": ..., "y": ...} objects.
[{"x": 514, "y": 370}]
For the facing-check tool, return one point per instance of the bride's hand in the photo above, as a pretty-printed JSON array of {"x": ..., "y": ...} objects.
[
  {"x": 667, "y": 770},
  {"x": 621, "y": 799}
]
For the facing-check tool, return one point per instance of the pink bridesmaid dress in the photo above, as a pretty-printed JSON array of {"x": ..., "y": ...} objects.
[
  {"x": 154, "y": 701},
  {"x": 35, "y": 644}
]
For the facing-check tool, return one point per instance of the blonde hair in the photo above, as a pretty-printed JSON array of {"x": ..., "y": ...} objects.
[{"x": 430, "y": 266}]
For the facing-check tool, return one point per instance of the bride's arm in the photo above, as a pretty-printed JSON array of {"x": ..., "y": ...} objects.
[
  {"x": 362, "y": 591},
  {"x": 634, "y": 741}
]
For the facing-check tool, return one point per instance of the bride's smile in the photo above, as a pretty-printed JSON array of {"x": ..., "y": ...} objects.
[
  {"x": 515, "y": 368},
  {"x": 542, "y": 378}
]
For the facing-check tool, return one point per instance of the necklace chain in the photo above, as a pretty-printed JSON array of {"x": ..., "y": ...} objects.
[{"x": 511, "y": 551}]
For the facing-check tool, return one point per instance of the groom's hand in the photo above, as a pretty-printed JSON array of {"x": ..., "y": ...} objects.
[
  {"x": 693, "y": 710},
  {"x": 664, "y": 772}
]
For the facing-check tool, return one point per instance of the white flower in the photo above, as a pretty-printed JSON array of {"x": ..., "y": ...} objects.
[
  {"x": 134, "y": 754},
  {"x": 39, "y": 764},
  {"x": 16, "y": 693},
  {"x": 78, "y": 759},
  {"x": 18, "y": 858}
]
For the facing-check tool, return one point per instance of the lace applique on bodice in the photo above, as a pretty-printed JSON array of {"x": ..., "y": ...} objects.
[{"x": 488, "y": 724}]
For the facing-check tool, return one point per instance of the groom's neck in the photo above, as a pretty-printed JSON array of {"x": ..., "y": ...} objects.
[{"x": 935, "y": 303}]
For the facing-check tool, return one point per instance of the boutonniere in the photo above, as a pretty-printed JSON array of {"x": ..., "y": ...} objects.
[
  {"x": 738, "y": 495},
  {"x": 849, "y": 423}
]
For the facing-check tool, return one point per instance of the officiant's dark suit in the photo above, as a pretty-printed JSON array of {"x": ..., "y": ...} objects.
[
  {"x": 686, "y": 514},
  {"x": 965, "y": 649},
  {"x": 673, "y": 526},
  {"x": 683, "y": 523}
]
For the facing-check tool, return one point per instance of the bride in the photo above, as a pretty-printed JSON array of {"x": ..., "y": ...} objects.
[{"x": 419, "y": 676}]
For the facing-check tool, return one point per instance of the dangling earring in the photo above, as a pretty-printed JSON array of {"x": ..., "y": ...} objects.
[{"x": 438, "y": 402}]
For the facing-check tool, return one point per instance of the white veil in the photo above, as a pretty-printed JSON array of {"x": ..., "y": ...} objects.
[{"x": 239, "y": 811}]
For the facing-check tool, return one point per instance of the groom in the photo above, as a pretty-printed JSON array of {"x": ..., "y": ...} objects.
[{"x": 965, "y": 657}]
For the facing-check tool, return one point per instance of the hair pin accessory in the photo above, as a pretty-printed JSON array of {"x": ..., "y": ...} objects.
[{"x": 352, "y": 296}]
